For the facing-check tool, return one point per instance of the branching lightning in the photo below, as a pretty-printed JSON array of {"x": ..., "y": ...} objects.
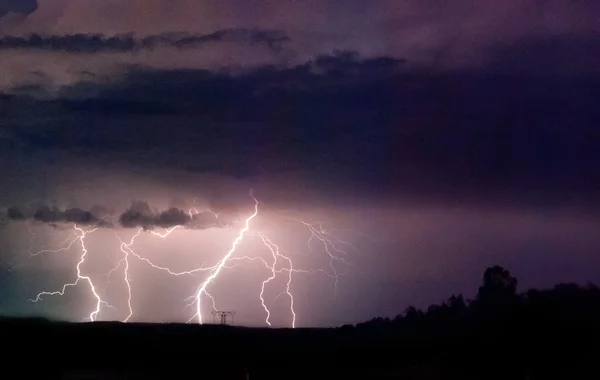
[
  {"x": 221, "y": 264},
  {"x": 80, "y": 277},
  {"x": 273, "y": 258},
  {"x": 290, "y": 269}
]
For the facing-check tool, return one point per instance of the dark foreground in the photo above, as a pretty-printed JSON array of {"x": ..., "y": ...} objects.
[{"x": 550, "y": 334}]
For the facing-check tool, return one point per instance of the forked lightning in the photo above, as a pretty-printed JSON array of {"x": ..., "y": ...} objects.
[{"x": 276, "y": 262}]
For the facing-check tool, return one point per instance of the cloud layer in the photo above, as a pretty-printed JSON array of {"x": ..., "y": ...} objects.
[
  {"x": 75, "y": 41},
  {"x": 98, "y": 43},
  {"x": 139, "y": 215},
  {"x": 54, "y": 216},
  {"x": 477, "y": 100},
  {"x": 367, "y": 125}
]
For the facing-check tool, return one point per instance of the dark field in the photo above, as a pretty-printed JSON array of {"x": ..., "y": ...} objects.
[{"x": 500, "y": 335}]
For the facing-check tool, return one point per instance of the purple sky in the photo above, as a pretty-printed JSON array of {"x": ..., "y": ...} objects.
[{"x": 437, "y": 138}]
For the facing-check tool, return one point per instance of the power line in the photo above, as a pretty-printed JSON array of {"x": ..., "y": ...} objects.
[{"x": 223, "y": 316}]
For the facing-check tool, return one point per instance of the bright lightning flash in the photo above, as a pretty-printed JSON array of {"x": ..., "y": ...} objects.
[
  {"x": 221, "y": 264},
  {"x": 278, "y": 263},
  {"x": 290, "y": 269}
]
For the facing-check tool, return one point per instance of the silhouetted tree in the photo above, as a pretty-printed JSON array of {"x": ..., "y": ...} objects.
[
  {"x": 457, "y": 303},
  {"x": 497, "y": 284}
]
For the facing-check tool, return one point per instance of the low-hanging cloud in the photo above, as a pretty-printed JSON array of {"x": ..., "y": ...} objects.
[
  {"x": 53, "y": 215},
  {"x": 71, "y": 215},
  {"x": 141, "y": 215},
  {"x": 14, "y": 214},
  {"x": 138, "y": 215}
]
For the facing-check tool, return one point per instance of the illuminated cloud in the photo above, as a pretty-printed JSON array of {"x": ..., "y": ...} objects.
[{"x": 141, "y": 215}]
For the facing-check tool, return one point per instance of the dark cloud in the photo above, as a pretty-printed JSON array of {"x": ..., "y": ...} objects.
[
  {"x": 48, "y": 214},
  {"x": 207, "y": 219},
  {"x": 54, "y": 215},
  {"x": 138, "y": 215},
  {"x": 274, "y": 39},
  {"x": 172, "y": 217},
  {"x": 141, "y": 215},
  {"x": 96, "y": 43},
  {"x": 100, "y": 211},
  {"x": 14, "y": 214},
  {"x": 344, "y": 124}
]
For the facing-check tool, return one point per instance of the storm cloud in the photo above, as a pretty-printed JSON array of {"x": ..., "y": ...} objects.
[
  {"x": 448, "y": 135},
  {"x": 370, "y": 126},
  {"x": 53, "y": 215},
  {"x": 14, "y": 214},
  {"x": 140, "y": 214}
]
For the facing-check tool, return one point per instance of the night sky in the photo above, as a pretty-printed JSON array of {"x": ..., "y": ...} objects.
[{"x": 428, "y": 139}]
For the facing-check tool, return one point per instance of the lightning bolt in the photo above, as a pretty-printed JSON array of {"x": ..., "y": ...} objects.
[
  {"x": 331, "y": 245},
  {"x": 221, "y": 264},
  {"x": 278, "y": 263},
  {"x": 276, "y": 255},
  {"x": 80, "y": 277},
  {"x": 126, "y": 249},
  {"x": 68, "y": 240}
]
